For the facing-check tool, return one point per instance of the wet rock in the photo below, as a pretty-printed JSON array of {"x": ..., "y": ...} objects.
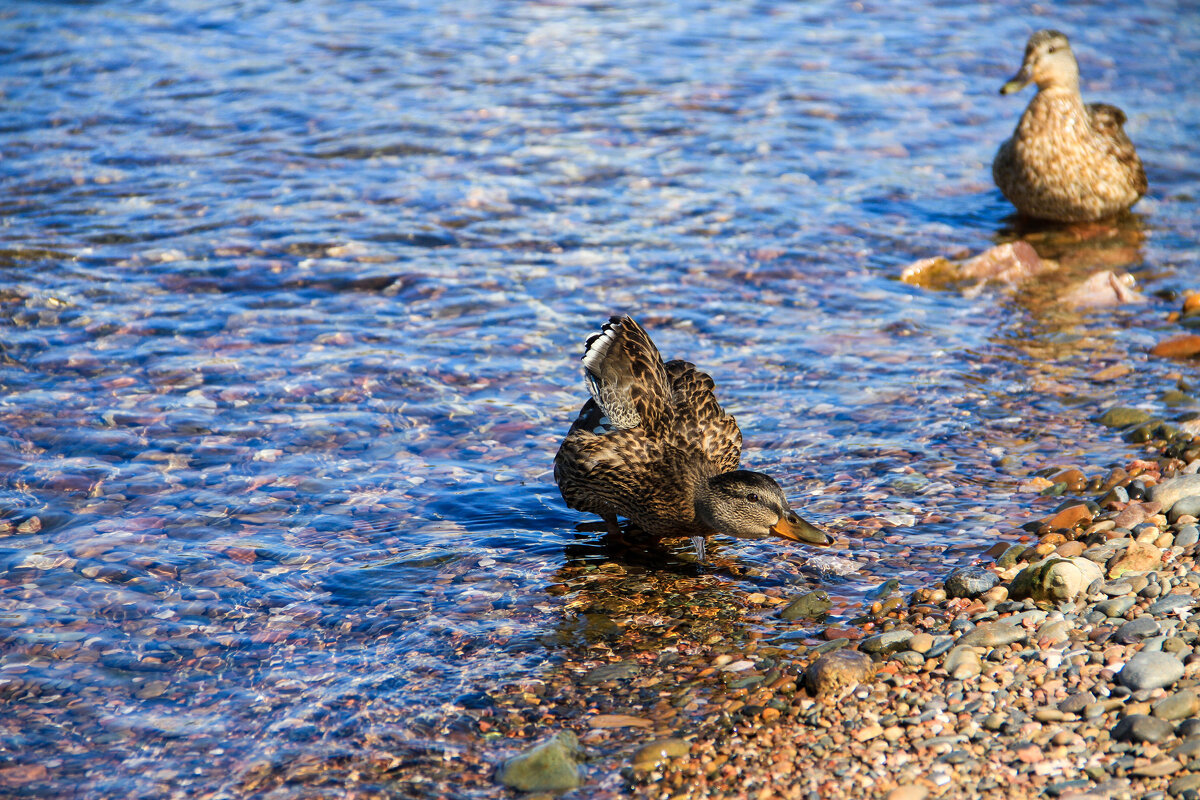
[
  {"x": 1180, "y": 705},
  {"x": 1124, "y": 417},
  {"x": 1010, "y": 556},
  {"x": 1174, "y": 489},
  {"x": 812, "y": 605},
  {"x": 1137, "y": 557},
  {"x": 1071, "y": 516},
  {"x": 1183, "y": 346},
  {"x": 885, "y": 644},
  {"x": 1054, "y": 579},
  {"x": 993, "y": 634},
  {"x": 970, "y": 582},
  {"x": 1136, "y": 629},
  {"x": 618, "y": 671},
  {"x": 1141, "y": 728},
  {"x": 839, "y": 671},
  {"x": 1103, "y": 289},
  {"x": 1151, "y": 670},
  {"x": 659, "y": 751},
  {"x": 547, "y": 767}
]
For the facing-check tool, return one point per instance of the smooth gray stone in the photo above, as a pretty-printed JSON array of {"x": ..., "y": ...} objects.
[
  {"x": 970, "y": 582},
  {"x": 1116, "y": 588},
  {"x": 1076, "y": 703},
  {"x": 1185, "y": 505},
  {"x": 994, "y": 634},
  {"x": 909, "y": 658},
  {"x": 940, "y": 645},
  {"x": 1150, "y": 671},
  {"x": 1116, "y": 606},
  {"x": 885, "y": 643},
  {"x": 1172, "y": 490},
  {"x": 1136, "y": 629},
  {"x": 1169, "y": 603},
  {"x": 1141, "y": 728},
  {"x": 1187, "y": 536}
]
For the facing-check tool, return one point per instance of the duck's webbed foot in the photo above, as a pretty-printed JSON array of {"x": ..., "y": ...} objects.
[{"x": 698, "y": 543}]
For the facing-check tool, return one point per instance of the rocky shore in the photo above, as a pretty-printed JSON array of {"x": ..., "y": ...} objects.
[{"x": 1065, "y": 664}]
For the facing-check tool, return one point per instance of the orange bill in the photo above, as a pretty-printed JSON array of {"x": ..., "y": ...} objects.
[{"x": 796, "y": 529}]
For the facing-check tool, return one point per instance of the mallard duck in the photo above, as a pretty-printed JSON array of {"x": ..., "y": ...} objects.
[
  {"x": 1066, "y": 161},
  {"x": 654, "y": 446}
]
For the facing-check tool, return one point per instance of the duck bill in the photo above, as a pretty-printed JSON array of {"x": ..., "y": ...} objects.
[
  {"x": 1018, "y": 82},
  {"x": 800, "y": 531}
]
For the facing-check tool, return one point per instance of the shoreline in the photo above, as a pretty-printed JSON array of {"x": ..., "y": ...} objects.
[{"x": 1002, "y": 691}]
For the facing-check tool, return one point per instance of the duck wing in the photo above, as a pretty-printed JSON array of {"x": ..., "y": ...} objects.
[
  {"x": 1109, "y": 122},
  {"x": 626, "y": 375},
  {"x": 699, "y": 423}
]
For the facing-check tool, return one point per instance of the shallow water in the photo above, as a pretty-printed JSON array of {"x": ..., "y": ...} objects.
[{"x": 294, "y": 295}]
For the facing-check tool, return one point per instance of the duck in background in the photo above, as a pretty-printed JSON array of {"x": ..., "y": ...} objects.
[{"x": 1066, "y": 161}]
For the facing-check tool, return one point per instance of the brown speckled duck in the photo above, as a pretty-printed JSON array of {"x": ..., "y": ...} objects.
[
  {"x": 654, "y": 446},
  {"x": 1066, "y": 161}
]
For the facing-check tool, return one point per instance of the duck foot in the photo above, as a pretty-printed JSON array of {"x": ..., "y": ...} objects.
[{"x": 698, "y": 543}]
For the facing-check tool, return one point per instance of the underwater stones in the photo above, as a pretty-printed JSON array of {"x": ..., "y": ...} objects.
[
  {"x": 1183, "y": 346},
  {"x": 1151, "y": 670},
  {"x": 654, "y": 753},
  {"x": 1124, "y": 417},
  {"x": 546, "y": 767},
  {"x": 837, "y": 672},
  {"x": 970, "y": 582},
  {"x": 811, "y": 605}
]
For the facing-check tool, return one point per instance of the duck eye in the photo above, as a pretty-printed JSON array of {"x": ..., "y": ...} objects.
[{"x": 752, "y": 498}]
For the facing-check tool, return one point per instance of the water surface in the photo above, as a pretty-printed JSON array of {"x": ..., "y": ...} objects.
[{"x": 293, "y": 297}]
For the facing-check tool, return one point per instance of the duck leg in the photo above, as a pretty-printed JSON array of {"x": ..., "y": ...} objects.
[
  {"x": 611, "y": 522},
  {"x": 698, "y": 543}
]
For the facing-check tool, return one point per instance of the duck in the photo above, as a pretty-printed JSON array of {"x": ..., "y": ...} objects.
[
  {"x": 1066, "y": 161},
  {"x": 653, "y": 445}
]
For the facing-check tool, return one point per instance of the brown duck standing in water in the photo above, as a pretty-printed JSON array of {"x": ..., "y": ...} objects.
[
  {"x": 1066, "y": 161},
  {"x": 654, "y": 446}
]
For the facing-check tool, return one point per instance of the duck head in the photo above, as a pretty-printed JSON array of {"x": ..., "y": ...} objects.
[
  {"x": 1048, "y": 62},
  {"x": 751, "y": 505}
]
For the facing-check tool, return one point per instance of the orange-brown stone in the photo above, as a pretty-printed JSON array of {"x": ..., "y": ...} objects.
[
  {"x": 1183, "y": 346},
  {"x": 1071, "y": 516}
]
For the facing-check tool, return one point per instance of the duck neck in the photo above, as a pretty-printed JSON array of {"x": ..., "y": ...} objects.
[{"x": 702, "y": 496}]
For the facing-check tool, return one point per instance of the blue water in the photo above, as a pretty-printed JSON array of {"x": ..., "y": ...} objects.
[{"x": 293, "y": 295}]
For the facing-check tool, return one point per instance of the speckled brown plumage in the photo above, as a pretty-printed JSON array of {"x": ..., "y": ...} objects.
[
  {"x": 1066, "y": 161},
  {"x": 647, "y": 473}
]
